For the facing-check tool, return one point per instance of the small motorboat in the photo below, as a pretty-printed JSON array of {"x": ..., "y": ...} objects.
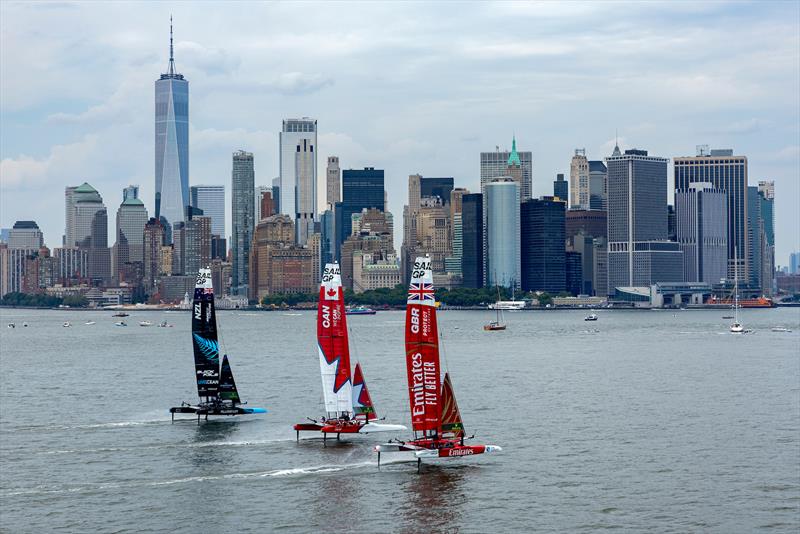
[
  {"x": 727, "y": 316},
  {"x": 12, "y": 325},
  {"x": 120, "y": 314},
  {"x": 781, "y": 329},
  {"x": 120, "y": 323},
  {"x": 89, "y": 323},
  {"x": 25, "y": 325},
  {"x": 359, "y": 310},
  {"x": 145, "y": 323},
  {"x": 590, "y": 317},
  {"x": 494, "y": 325},
  {"x": 66, "y": 324},
  {"x": 164, "y": 324}
]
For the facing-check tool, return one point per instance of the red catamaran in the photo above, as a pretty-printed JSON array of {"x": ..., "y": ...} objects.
[
  {"x": 435, "y": 418},
  {"x": 348, "y": 406}
]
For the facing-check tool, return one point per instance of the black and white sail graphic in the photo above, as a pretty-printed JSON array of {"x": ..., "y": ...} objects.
[{"x": 204, "y": 337}]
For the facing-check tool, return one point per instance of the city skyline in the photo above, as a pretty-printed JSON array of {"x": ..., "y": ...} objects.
[{"x": 671, "y": 95}]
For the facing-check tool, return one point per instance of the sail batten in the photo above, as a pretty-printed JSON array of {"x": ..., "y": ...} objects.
[
  {"x": 422, "y": 350},
  {"x": 204, "y": 337},
  {"x": 334, "y": 351}
]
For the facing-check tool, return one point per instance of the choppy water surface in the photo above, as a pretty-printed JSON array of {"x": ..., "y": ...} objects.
[{"x": 654, "y": 421}]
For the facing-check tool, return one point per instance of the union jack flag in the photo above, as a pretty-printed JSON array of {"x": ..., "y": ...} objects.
[{"x": 420, "y": 292}]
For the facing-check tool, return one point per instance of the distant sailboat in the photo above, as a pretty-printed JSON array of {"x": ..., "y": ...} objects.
[
  {"x": 215, "y": 384},
  {"x": 736, "y": 327},
  {"x": 498, "y": 323},
  {"x": 435, "y": 417},
  {"x": 348, "y": 406}
]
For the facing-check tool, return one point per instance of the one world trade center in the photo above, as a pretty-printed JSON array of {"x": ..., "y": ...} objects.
[{"x": 172, "y": 144}]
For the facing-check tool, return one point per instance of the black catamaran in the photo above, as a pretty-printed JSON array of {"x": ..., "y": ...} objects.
[{"x": 215, "y": 384}]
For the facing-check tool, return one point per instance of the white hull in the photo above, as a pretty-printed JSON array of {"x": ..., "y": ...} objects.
[{"x": 380, "y": 427}]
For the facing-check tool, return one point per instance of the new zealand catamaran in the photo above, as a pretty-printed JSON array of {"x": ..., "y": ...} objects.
[
  {"x": 436, "y": 420},
  {"x": 348, "y": 406},
  {"x": 215, "y": 384}
]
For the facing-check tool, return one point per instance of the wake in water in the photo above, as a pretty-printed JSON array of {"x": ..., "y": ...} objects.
[{"x": 290, "y": 472}]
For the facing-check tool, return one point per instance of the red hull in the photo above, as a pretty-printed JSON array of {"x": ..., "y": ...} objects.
[
  {"x": 335, "y": 427},
  {"x": 448, "y": 448}
]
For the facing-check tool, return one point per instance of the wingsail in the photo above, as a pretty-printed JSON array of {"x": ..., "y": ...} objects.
[
  {"x": 334, "y": 352},
  {"x": 227, "y": 385},
  {"x": 451, "y": 416},
  {"x": 362, "y": 403},
  {"x": 422, "y": 350},
  {"x": 204, "y": 336}
]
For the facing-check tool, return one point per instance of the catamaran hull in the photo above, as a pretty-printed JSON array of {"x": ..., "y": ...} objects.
[
  {"x": 358, "y": 428},
  {"x": 200, "y": 410}
]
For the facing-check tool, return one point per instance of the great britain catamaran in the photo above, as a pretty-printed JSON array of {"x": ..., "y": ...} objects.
[
  {"x": 215, "y": 384},
  {"x": 435, "y": 418},
  {"x": 348, "y": 406}
]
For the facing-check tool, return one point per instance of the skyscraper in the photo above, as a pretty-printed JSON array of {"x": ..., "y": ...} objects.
[
  {"x": 211, "y": 199},
  {"x": 542, "y": 248},
  {"x": 701, "y": 221},
  {"x": 495, "y": 164},
  {"x": 87, "y": 229},
  {"x": 579, "y": 181},
  {"x": 472, "y": 240},
  {"x": 306, "y": 194},
  {"x": 361, "y": 189},
  {"x": 243, "y": 211},
  {"x": 766, "y": 192},
  {"x": 171, "y": 142},
  {"x": 436, "y": 187},
  {"x": 197, "y": 244},
  {"x": 561, "y": 188},
  {"x": 755, "y": 237},
  {"x": 153, "y": 237},
  {"x": 598, "y": 194},
  {"x": 259, "y": 192},
  {"x": 25, "y": 234},
  {"x": 333, "y": 182},
  {"x": 128, "y": 249},
  {"x": 638, "y": 251},
  {"x": 503, "y": 233},
  {"x": 294, "y": 131},
  {"x": 728, "y": 173},
  {"x": 276, "y": 194}
]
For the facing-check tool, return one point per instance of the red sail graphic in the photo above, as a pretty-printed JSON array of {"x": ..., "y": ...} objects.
[
  {"x": 451, "y": 417},
  {"x": 362, "y": 403},
  {"x": 422, "y": 350},
  {"x": 332, "y": 328}
]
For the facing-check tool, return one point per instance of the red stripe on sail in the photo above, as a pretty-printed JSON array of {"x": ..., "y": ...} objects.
[
  {"x": 422, "y": 365},
  {"x": 332, "y": 334}
]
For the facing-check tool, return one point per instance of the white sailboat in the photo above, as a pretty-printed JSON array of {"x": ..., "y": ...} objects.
[{"x": 736, "y": 327}]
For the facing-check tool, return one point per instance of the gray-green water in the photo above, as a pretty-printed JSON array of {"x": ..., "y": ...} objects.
[{"x": 644, "y": 421}]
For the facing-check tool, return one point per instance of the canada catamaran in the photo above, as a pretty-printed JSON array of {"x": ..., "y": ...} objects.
[
  {"x": 435, "y": 418},
  {"x": 215, "y": 384},
  {"x": 348, "y": 406}
]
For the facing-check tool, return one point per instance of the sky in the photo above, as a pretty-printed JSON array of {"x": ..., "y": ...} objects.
[{"x": 411, "y": 87}]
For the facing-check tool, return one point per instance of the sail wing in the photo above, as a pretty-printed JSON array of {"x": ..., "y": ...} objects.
[
  {"x": 362, "y": 403},
  {"x": 334, "y": 352},
  {"x": 204, "y": 336},
  {"x": 451, "y": 417},
  {"x": 422, "y": 349},
  {"x": 227, "y": 385}
]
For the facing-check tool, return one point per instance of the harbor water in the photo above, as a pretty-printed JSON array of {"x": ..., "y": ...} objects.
[{"x": 654, "y": 421}]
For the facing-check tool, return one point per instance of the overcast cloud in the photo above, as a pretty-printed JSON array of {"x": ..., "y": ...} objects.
[{"x": 407, "y": 87}]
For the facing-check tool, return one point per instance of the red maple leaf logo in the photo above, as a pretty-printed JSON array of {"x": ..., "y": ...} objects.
[{"x": 331, "y": 292}]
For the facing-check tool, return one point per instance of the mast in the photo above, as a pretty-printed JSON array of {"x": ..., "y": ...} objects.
[
  {"x": 204, "y": 337},
  {"x": 334, "y": 351},
  {"x": 422, "y": 351}
]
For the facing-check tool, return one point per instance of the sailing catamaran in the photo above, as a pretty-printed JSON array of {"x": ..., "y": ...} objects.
[
  {"x": 436, "y": 420},
  {"x": 348, "y": 406},
  {"x": 215, "y": 384}
]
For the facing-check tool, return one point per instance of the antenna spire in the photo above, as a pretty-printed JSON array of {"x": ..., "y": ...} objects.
[{"x": 171, "y": 56}]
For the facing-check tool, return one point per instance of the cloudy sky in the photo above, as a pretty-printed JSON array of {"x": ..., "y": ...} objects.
[{"x": 407, "y": 87}]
